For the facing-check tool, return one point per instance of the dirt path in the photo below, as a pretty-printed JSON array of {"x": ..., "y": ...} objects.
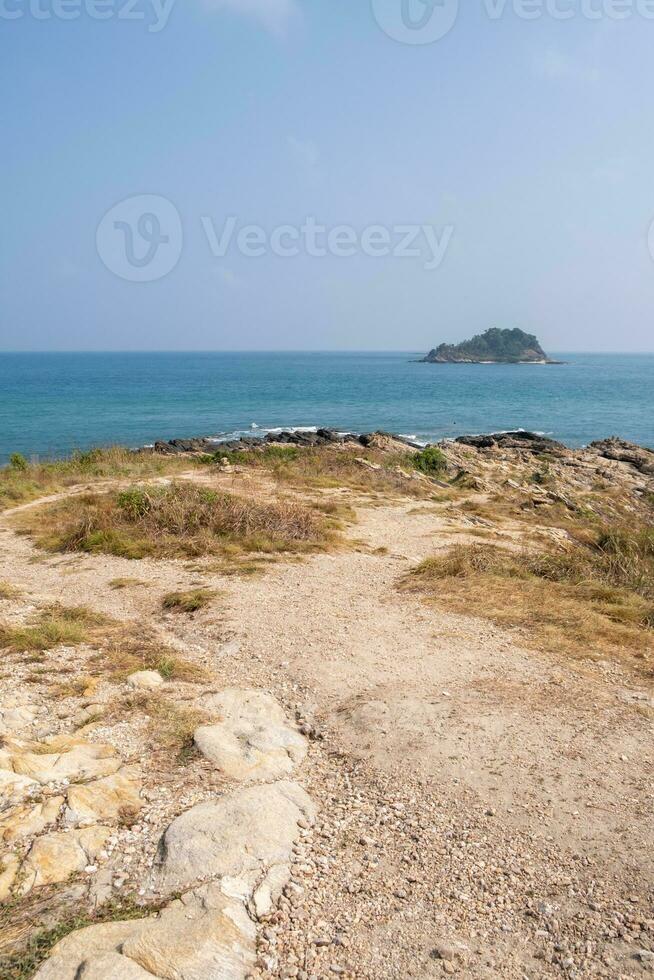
[{"x": 487, "y": 809}]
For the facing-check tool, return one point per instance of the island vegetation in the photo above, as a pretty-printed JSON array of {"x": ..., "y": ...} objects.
[{"x": 495, "y": 346}]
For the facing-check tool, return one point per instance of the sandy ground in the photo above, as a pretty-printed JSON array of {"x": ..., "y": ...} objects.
[{"x": 486, "y": 809}]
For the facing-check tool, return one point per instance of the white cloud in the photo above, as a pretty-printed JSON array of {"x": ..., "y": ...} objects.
[{"x": 274, "y": 15}]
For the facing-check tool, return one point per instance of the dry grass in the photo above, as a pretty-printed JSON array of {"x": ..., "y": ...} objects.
[
  {"x": 19, "y": 484},
  {"x": 593, "y": 599},
  {"x": 188, "y": 602},
  {"x": 8, "y": 591},
  {"x": 328, "y": 467},
  {"x": 117, "y": 584},
  {"x": 171, "y": 726},
  {"x": 119, "y": 649},
  {"x": 54, "y": 626},
  {"x": 83, "y": 685},
  {"x": 133, "y": 648},
  {"x": 177, "y": 520}
]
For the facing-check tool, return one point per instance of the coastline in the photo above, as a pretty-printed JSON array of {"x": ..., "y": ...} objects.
[{"x": 53, "y": 405}]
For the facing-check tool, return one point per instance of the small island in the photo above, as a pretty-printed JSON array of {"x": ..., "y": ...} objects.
[{"x": 495, "y": 346}]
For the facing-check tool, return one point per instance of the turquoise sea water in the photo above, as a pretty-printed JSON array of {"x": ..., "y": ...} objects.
[{"x": 53, "y": 403}]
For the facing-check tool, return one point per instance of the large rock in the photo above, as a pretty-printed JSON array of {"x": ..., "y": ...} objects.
[
  {"x": 203, "y": 936},
  {"x": 531, "y": 442},
  {"x": 237, "y": 839},
  {"x": 641, "y": 458},
  {"x": 71, "y": 957},
  {"x": 113, "y": 798},
  {"x": 55, "y": 857},
  {"x": 252, "y": 740},
  {"x": 81, "y": 761},
  {"x": 27, "y": 821}
]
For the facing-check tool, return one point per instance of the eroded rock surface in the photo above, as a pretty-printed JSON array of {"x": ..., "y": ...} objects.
[
  {"x": 253, "y": 739},
  {"x": 112, "y": 798},
  {"x": 27, "y": 821},
  {"x": 238, "y": 839},
  {"x": 79, "y": 761},
  {"x": 57, "y": 856},
  {"x": 203, "y": 936}
]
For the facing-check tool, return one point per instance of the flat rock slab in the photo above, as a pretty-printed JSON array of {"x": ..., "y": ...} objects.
[
  {"x": 203, "y": 936},
  {"x": 55, "y": 857},
  {"x": 111, "y": 798},
  {"x": 27, "y": 821},
  {"x": 240, "y": 839},
  {"x": 81, "y": 761},
  {"x": 253, "y": 739}
]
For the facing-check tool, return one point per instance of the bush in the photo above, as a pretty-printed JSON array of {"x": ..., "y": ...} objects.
[
  {"x": 430, "y": 461},
  {"x": 135, "y": 502},
  {"x": 18, "y": 462}
]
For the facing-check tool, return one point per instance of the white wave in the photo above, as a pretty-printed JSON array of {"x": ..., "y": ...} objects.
[{"x": 291, "y": 428}]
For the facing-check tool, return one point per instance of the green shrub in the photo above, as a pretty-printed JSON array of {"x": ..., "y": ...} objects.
[
  {"x": 18, "y": 462},
  {"x": 135, "y": 502},
  {"x": 430, "y": 461}
]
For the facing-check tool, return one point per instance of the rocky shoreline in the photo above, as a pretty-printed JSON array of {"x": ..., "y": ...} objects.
[
  {"x": 287, "y": 437},
  {"x": 611, "y": 448}
]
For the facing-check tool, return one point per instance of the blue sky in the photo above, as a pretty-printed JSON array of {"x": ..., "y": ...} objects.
[{"x": 530, "y": 140}]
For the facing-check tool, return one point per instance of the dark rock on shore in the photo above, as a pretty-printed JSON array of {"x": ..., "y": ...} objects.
[
  {"x": 532, "y": 442},
  {"x": 288, "y": 437}
]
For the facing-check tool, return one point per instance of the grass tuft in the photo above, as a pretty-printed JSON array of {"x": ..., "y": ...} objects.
[
  {"x": 116, "y": 584},
  {"x": 22, "y": 481},
  {"x": 188, "y": 602},
  {"x": 54, "y": 626}
]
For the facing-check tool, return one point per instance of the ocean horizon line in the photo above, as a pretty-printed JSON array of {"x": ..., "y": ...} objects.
[{"x": 326, "y": 350}]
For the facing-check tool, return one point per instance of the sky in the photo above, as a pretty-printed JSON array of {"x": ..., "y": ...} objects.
[{"x": 325, "y": 174}]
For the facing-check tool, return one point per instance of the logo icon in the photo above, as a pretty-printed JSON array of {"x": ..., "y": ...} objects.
[
  {"x": 140, "y": 239},
  {"x": 416, "y": 21}
]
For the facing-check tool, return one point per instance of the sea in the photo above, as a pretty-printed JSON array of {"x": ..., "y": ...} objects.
[{"x": 54, "y": 403}]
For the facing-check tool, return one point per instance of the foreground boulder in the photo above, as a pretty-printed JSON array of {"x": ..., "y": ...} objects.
[
  {"x": 238, "y": 839},
  {"x": 202, "y": 936}
]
